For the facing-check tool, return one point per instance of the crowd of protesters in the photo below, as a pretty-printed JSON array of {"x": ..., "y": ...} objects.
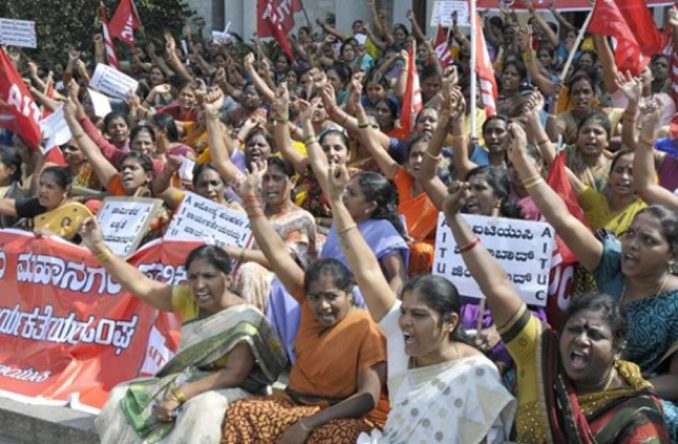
[{"x": 343, "y": 199}]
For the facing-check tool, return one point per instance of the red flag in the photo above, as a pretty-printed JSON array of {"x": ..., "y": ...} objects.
[
  {"x": 608, "y": 20},
  {"x": 19, "y": 103},
  {"x": 412, "y": 102},
  {"x": 124, "y": 21},
  {"x": 488, "y": 84},
  {"x": 643, "y": 26},
  {"x": 276, "y": 19},
  {"x": 108, "y": 42},
  {"x": 442, "y": 48}
]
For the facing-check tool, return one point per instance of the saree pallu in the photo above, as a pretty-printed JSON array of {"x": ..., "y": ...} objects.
[
  {"x": 129, "y": 414},
  {"x": 264, "y": 420},
  {"x": 630, "y": 414},
  {"x": 458, "y": 401}
]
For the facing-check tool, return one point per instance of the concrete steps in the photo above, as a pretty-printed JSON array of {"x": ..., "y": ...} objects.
[{"x": 27, "y": 423}]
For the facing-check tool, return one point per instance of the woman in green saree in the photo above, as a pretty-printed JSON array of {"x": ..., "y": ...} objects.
[{"x": 228, "y": 351}]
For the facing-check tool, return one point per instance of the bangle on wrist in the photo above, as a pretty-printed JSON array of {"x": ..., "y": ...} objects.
[
  {"x": 241, "y": 256},
  {"x": 532, "y": 182},
  {"x": 310, "y": 140},
  {"x": 646, "y": 142},
  {"x": 363, "y": 125},
  {"x": 437, "y": 158},
  {"x": 103, "y": 255},
  {"x": 178, "y": 395},
  {"x": 346, "y": 229},
  {"x": 470, "y": 246}
]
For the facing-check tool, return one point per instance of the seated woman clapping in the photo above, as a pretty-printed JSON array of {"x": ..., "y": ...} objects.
[
  {"x": 335, "y": 386},
  {"x": 441, "y": 389},
  {"x": 228, "y": 351}
]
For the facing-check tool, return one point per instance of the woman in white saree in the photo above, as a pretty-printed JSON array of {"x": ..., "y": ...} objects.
[{"x": 441, "y": 389}]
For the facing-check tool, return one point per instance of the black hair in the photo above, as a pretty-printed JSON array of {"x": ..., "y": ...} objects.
[
  {"x": 375, "y": 76},
  {"x": 599, "y": 118},
  {"x": 611, "y": 313},
  {"x": 441, "y": 296},
  {"x": 497, "y": 21},
  {"x": 112, "y": 116},
  {"x": 421, "y": 138},
  {"x": 62, "y": 176},
  {"x": 144, "y": 161},
  {"x": 341, "y": 275},
  {"x": 402, "y": 27},
  {"x": 376, "y": 188},
  {"x": 140, "y": 129},
  {"x": 518, "y": 65},
  {"x": 200, "y": 168},
  {"x": 392, "y": 106},
  {"x": 259, "y": 131},
  {"x": 594, "y": 56},
  {"x": 215, "y": 256},
  {"x": 487, "y": 121},
  {"x": 178, "y": 82},
  {"x": 618, "y": 155},
  {"x": 497, "y": 179},
  {"x": 329, "y": 131},
  {"x": 165, "y": 122},
  {"x": 306, "y": 29},
  {"x": 430, "y": 70},
  {"x": 669, "y": 223},
  {"x": 284, "y": 165},
  {"x": 9, "y": 156},
  {"x": 582, "y": 74},
  {"x": 343, "y": 71}
]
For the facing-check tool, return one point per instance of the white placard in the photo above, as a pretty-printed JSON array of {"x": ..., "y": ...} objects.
[
  {"x": 523, "y": 248},
  {"x": 200, "y": 219},
  {"x": 443, "y": 9},
  {"x": 18, "y": 33},
  {"x": 100, "y": 103},
  {"x": 186, "y": 169},
  {"x": 55, "y": 131},
  {"x": 112, "y": 82},
  {"x": 124, "y": 222},
  {"x": 221, "y": 37}
]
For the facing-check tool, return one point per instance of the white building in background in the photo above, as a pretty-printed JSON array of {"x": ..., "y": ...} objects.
[{"x": 242, "y": 13}]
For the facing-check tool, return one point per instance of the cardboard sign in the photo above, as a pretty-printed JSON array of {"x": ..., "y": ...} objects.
[
  {"x": 18, "y": 33},
  {"x": 100, "y": 103},
  {"x": 124, "y": 222},
  {"x": 55, "y": 131},
  {"x": 112, "y": 82},
  {"x": 441, "y": 15},
  {"x": 200, "y": 219},
  {"x": 524, "y": 249}
]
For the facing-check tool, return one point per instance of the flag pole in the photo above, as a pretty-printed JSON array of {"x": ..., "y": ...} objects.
[
  {"x": 474, "y": 73},
  {"x": 577, "y": 42}
]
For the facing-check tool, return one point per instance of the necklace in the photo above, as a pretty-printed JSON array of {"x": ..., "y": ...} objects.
[{"x": 662, "y": 284}]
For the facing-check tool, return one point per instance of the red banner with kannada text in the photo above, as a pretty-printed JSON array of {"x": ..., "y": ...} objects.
[{"x": 68, "y": 333}]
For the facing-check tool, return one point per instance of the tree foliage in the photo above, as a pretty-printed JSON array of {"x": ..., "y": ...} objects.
[{"x": 61, "y": 23}]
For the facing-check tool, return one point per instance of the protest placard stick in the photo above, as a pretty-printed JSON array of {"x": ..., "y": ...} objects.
[
  {"x": 472, "y": 64},
  {"x": 577, "y": 42}
]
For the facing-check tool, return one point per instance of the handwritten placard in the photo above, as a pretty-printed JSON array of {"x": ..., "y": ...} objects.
[
  {"x": 203, "y": 220},
  {"x": 441, "y": 15},
  {"x": 18, "y": 33},
  {"x": 112, "y": 82},
  {"x": 523, "y": 248},
  {"x": 124, "y": 222}
]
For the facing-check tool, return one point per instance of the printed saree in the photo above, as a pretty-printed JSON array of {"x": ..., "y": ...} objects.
[{"x": 204, "y": 347}]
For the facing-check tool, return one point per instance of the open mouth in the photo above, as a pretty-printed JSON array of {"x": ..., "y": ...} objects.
[
  {"x": 203, "y": 297},
  {"x": 578, "y": 360},
  {"x": 409, "y": 338}
]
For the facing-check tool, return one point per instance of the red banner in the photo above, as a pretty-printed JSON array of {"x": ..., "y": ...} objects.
[
  {"x": 68, "y": 332},
  {"x": 15, "y": 98},
  {"x": 562, "y": 5},
  {"x": 124, "y": 22}
]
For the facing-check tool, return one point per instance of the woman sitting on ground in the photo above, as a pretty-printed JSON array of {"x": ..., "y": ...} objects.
[
  {"x": 227, "y": 352},
  {"x": 430, "y": 366},
  {"x": 336, "y": 383}
]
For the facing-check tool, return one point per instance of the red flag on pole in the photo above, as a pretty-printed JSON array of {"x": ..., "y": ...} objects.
[
  {"x": 608, "y": 20},
  {"x": 412, "y": 102},
  {"x": 488, "y": 84},
  {"x": 276, "y": 19},
  {"x": 124, "y": 21},
  {"x": 108, "y": 42},
  {"x": 643, "y": 26},
  {"x": 20, "y": 112},
  {"x": 442, "y": 48}
]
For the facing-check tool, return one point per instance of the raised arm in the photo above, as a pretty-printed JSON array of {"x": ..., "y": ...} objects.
[
  {"x": 281, "y": 261},
  {"x": 104, "y": 170},
  {"x": 550, "y": 35},
  {"x": 533, "y": 66},
  {"x": 366, "y": 269},
  {"x": 535, "y": 130},
  {"x": 633, "y": 90},
  {"x": 564, "y": 23},
  {"x": 416, "y": 29},
  {"x": 606, "y": 59},
  {"x": 316, "y": 156},
  {"x": 259, "y": 83},
  {"x": 503, "y": 300},
  {"x": 154, "y": 293},
  {"x": 173, "y": 59},
  {"x": 460, "y": 141},
  {"x": 217, "y": 138},
  {"x": 281, "y": 130},
  {"x": 576, "y": 235},
  {"x": 369, "y": 137},
  {"x": 644, "y": 172}
]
